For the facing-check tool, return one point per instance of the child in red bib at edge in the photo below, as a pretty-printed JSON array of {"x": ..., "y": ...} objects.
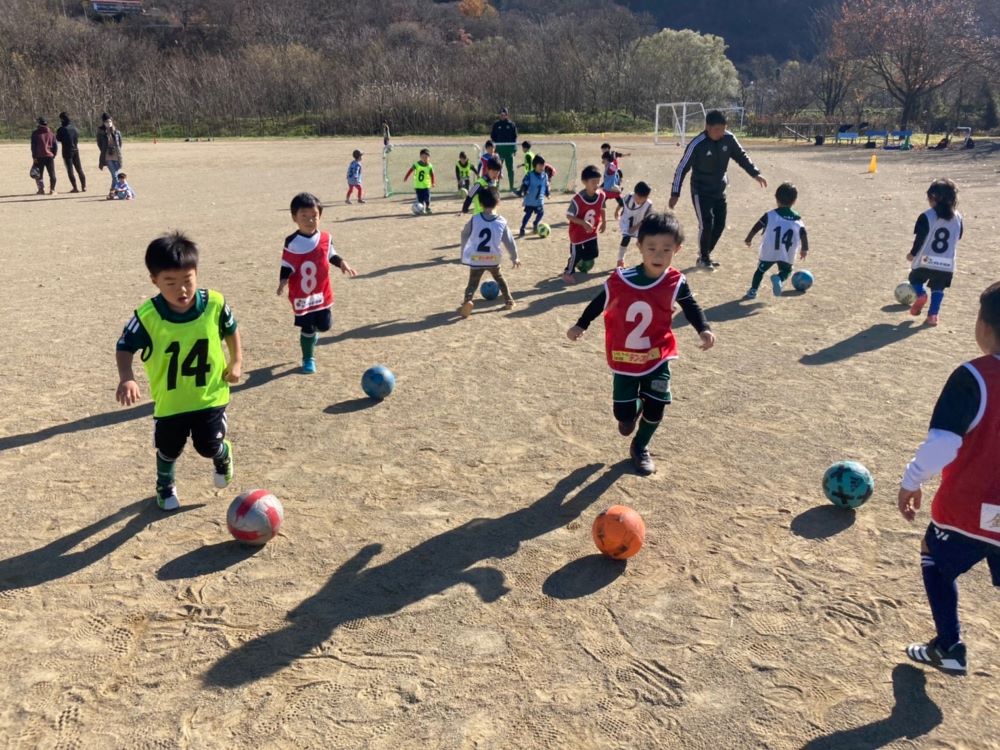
[
  {"x": 305, "y": 270},
  {"x": 962, "y": 444},
  {"x": 638, "y": 306}
]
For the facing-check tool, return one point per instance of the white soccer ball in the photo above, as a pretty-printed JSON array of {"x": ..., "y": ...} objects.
[
  {"x": 417, "y": 208},
  {"x": 904, "y": 294}
]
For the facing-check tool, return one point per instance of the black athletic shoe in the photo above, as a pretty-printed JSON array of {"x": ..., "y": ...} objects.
[
  {"x": 706, "y": 264},
  {"x": 641, "y": 460},
  {"x": 951, "y": 661},
  {"x": 626, "y": 428},
  {"x": 714, "y": 263}
]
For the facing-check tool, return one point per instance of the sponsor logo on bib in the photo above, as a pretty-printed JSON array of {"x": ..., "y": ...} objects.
[{"x": 636, "y": 358}]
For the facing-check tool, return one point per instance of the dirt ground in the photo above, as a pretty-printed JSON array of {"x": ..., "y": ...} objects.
[{"x": 435, "y": 585}]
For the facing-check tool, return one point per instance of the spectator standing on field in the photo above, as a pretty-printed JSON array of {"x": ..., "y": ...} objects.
[
  {"x": 69, "y": 138},
  {"x": 43, "y": 155},
  {"x": 109, "y": 141},
  {"x": 504, "y": 135}
]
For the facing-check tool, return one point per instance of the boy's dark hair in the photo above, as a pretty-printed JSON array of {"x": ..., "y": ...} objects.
[
  {"x": 525, "y": 144},
  {"x": 989, "y": 307},
  {"x": 539, "y": 159},
  {"x": 171, "y": 252},
  {"x": 661, "y": 222},
  {"x": 489, "y": 198},
  {"x": 493, "y": 162},
  {"x": 461, "y": 155},
  {"x": 605, "y": 147},
  {"x": 607, "y": 156},
  {"x": 641, "y": 188},
  {"x": 945, "y": 194},
  {"x": 786, "y": 194},
  {"x": 356, "y": 153},
  {"x": 489, "y": 144},
  {"x": 306, "y": 200},
  {"x": 590, "y": 172},
  {"x": 425, "y": 151},
  {"x": 715, "y": 117}
]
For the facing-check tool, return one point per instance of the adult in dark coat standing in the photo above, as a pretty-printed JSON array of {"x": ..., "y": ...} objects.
[
  {"x": 43, "y": 154},
  {"x": 504, "y": 135},
  {"x": 69, "y": 138},
  {"x": 109, "y": 141}
]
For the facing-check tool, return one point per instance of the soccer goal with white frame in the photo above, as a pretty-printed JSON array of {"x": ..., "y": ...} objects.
[
  {"x": 399, "y": 157},
  {"x": 683, "y": 119}
]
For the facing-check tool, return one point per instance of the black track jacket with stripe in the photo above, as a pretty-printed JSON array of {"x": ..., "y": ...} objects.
[{"x": 708, "y": 160}]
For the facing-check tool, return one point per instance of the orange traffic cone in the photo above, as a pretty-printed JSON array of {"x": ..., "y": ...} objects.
[{"x": 873, "y": 165}]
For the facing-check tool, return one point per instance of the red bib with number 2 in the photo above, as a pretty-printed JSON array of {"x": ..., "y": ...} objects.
[{"x": 637, "y": 321}]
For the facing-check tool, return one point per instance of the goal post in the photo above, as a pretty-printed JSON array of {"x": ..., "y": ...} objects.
[
  {"x": 560, "y": 155},
  {"x": 679, "y": 119},
  {"x": 397, "y": 158}
]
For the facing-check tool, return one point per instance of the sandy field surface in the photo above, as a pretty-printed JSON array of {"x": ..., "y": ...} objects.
[{"x": 435, "y": 584}]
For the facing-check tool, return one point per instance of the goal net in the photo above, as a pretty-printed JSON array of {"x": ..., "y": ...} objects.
[
  {"x": 399, "y": 157},
  {"x": 676, "y": 122},
  {"x": 560, "y": 155}
]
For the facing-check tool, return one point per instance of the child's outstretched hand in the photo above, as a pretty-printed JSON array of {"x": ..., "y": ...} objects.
[
  {"x": 515, "y": 264},
  {"x": 574, "y": 333},
  {"x": 802, "y": 255},
  {"x": 707, "y": 340},
  {"x": 128, "y": 393},
  {"x": 620, "y": 264},
  {"x": 909, "y": 502},
  {"x": 281, "y": 286},
  {"x": 233, "y": 373},
  {"x": 748, "y": 244},
  {"x": 346, "y": 269}
]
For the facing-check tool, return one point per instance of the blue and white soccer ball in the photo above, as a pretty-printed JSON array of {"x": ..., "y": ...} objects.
[
  {"x": 802, "y": 280},
  {"x": 378, "y": 382},
  {"x": 848, "y": 484}
]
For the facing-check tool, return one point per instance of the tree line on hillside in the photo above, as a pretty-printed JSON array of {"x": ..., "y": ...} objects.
[{"x": 253, "y": 67}]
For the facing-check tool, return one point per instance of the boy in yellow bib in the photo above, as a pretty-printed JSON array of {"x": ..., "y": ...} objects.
[{"x": 180, "y": 333}]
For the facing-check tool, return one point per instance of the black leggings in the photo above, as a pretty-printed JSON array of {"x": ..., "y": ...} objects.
[
  {"x": 711, "y": 212},
  {"x": 48, "y": 163},
  {"x": 71, "y": 161}
]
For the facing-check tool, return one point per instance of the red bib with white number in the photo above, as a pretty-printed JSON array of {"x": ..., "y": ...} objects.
[
  {"x": 589, "y": 211},
  {"x": 637, "y": 321},
  {"x": 309, "y": 285}
]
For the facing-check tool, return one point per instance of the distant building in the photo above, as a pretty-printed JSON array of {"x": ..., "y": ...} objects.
[{"x": 116, "y": 9}]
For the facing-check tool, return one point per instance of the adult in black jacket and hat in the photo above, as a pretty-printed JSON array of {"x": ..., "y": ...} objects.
[{"x": 69, "y": 138}]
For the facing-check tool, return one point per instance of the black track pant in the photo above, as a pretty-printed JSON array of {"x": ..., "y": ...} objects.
[
  {"x": 73, "y": 161},
  {"x": 711, "y": 212}
]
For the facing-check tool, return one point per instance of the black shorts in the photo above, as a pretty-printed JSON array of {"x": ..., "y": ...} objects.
[
  {"x": 584, "y": 250},
  {"x": 936, "y": 280},
  {"x": 317, "y": 320},
  {"x": 207, "y": 429},
  {"x": 423, "y": 195}
]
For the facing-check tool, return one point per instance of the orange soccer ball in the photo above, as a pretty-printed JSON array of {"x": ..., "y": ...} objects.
[{"x": 619, "y": 532}]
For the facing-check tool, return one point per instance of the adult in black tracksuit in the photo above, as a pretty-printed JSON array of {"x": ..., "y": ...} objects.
[
  {"x": 707, "y": 156},
  {"x": 504, "y": 135},
  {"x": 69, "y": 138}
]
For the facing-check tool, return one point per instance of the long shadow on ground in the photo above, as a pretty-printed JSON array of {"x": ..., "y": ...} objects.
[
  {"x": 913, "y": 716},
  {"x": 355, "y": 591},
  {"x": 55, "y": 560},
  {"x": 254, "y": 378},
  {"x": 871, "y": 339}
]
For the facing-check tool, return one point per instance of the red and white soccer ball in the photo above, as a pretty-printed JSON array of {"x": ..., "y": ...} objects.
[{"x": 255, "y": 517}]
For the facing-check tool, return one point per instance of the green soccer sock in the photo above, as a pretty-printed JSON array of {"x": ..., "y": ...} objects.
[
  {"x": 308, "y": 343},
  {"x": 645, "y": 432},
  {"x": 164, "y": 473}
]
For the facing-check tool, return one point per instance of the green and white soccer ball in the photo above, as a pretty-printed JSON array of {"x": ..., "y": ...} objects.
[
  {"x": 904, "y": 294},
  {"x": 544, "y": 230}
]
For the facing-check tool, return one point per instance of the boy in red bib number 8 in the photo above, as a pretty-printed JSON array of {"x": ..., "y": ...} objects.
[
  {"x": 305, "y": 271},
  {"x": 638, "y": 308}
]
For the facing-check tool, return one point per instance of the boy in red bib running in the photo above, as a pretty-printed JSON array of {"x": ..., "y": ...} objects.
[
  {"x": 586, "y": 217},
  {"x": 962, "y": 444},
  {"x": 305, "y": 270},
  {"x": 638, "y": 308}
]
